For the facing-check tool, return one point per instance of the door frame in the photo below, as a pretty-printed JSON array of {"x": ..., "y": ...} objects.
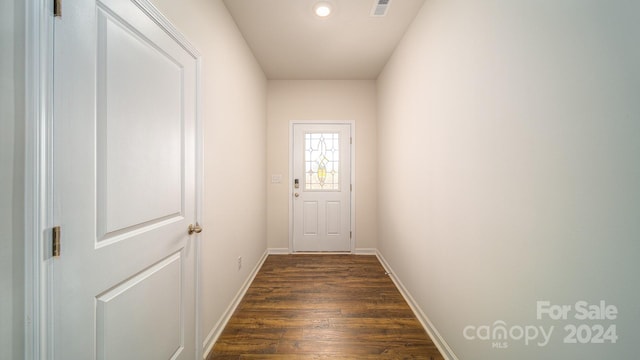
[
  {"x": 39, "y": 214},
  {"x": 352, "y": 199}
]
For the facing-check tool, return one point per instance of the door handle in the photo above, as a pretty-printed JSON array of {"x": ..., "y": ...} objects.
[
  {"x": 194, "y": 229},
  {"x": 296, "y": 195}
]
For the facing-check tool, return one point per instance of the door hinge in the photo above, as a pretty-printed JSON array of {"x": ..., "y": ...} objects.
[
  {"x": 350, "y": 234},
  {"x": 57, "y": 8},
  {"x": 351, "y": 140},
  {"x": 350, "y": 187},
  {"x": 55, "y": 241}
]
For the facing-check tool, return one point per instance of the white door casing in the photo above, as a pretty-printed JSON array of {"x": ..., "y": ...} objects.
[
  {"x": 321, "y": 183},
  {"x": 124, "y": 185}
]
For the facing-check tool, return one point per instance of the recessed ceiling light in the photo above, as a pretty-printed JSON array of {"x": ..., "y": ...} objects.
[{"x": 322, "y": 9}]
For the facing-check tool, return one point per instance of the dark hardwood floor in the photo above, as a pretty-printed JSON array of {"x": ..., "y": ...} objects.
[{"x": 323, "y": 307}]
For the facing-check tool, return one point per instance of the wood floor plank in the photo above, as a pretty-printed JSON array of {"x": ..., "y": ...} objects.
[{"x": 323, "y": 307}]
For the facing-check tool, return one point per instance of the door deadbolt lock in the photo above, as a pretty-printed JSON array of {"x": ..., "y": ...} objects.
[{"x": 194, "y": 229}]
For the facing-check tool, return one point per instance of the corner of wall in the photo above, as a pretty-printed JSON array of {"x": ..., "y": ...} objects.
[
  {"x": 438, "y": 340},
  {"x": 215, "y": 332}
]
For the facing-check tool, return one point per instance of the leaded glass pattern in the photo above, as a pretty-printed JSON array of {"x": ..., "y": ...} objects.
[{"x": 322, "y": 161}]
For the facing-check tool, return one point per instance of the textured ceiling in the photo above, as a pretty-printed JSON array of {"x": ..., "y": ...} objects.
[{"x": 290, "y": 42}]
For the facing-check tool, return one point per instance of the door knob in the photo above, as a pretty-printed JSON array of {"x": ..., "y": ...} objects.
[
  {"x": 296, "y": 194},
  {"x": 194, "y": 229}
]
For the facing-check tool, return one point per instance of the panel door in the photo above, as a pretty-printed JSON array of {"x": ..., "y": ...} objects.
[
  {"x": 322, "y": 187},
  {"x": 124, "y": 185}
]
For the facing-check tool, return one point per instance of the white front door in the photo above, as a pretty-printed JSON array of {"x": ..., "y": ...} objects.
[
  {"x": 321, "y": 187},
  {"x": 123, "y": 185}
]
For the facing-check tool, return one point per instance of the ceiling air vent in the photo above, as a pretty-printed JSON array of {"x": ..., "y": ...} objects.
[{"x": 380, "y": 7}]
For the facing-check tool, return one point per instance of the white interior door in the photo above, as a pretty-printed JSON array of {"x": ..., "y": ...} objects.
[
  {"x": 124, "y": 185},
  {"x": 322, "y": 187}
]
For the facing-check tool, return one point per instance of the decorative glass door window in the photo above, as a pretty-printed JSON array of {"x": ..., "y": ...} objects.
[{"x": 322, "y": 161}]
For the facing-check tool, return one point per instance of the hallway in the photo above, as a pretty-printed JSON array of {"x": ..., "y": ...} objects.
[
  {"x": 495, "y": 168},
  {"x": 323, "y": 307}
]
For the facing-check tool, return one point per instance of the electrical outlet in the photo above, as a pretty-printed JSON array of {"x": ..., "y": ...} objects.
[{"x": 239, "y": 262}]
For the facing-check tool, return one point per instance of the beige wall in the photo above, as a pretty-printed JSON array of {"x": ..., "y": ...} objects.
[
  {"x": 12, "y": 41},
  {"x": 321, "y": 100},
  {"x": 508, "y": 150},
  {"x": 233, "y": 115}
]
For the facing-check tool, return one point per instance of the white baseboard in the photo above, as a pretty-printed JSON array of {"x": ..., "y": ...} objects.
[
  {"x": 217, "y": 329},
  {"x": 366, "y": 251},
  {"x": 442, "y": 345},
  {"x": 279, "y": 251},
  {"x": 286, "y": 251}
]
